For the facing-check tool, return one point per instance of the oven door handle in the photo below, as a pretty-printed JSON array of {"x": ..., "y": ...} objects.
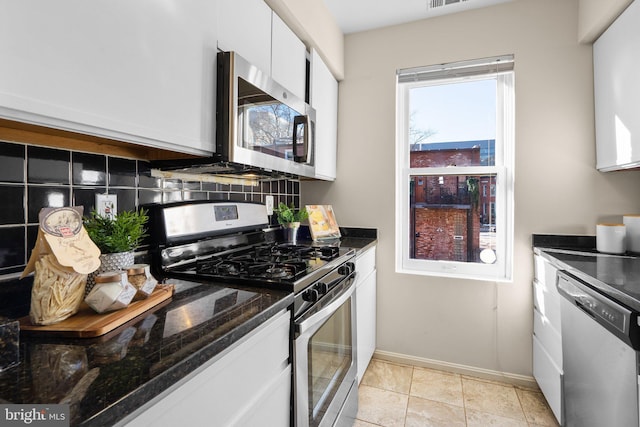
[{"x": 326, "y": 312}]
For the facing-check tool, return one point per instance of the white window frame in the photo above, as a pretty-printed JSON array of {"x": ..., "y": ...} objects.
[{"x": 501, "y": 270}]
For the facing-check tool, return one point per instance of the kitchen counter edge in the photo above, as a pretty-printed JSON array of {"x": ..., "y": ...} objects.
[{"x": 120, "y": 412}]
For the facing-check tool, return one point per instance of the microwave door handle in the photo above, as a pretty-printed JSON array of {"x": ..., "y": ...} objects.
[{"x": 301, "y": 120}]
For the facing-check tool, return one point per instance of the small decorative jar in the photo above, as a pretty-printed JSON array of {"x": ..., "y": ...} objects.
[
  {"x": 112, "y": 291},
  {"x": 141, "y": 279},
  {"x": 610, "y": 238}
]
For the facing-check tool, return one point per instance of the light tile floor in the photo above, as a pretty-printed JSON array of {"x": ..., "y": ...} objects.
[{"x": 393, "y": 395}]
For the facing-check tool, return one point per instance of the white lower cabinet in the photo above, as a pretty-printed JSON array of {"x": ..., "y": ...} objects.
[
  {"x": 250, "y": 385},
  {"x": 547, "y": 338},
  {"x": 549, "y": 378},
  {"x": 366, "y": 308}
]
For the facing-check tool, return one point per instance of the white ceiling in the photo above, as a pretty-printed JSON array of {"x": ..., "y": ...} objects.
[{"x": 360, "y": 15}]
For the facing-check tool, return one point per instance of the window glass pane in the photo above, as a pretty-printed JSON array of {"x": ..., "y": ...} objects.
[
  {"x": 452, "y": 218},
  {"x": 453, "y": 124}
]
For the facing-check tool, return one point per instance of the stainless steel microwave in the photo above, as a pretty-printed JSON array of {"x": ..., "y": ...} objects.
[{"x": 259, "y": 122}]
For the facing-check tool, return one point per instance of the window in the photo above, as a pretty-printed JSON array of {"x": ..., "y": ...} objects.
[{"x": 454, "y": 171}]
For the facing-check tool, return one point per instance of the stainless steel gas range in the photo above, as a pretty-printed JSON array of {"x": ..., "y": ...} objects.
[{"x": 226, "y": 241}]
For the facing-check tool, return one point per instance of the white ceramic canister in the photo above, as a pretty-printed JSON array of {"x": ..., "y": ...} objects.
[
  {"x": 632, "y": 223},
  {"x": 610, "y": 238},
  {"x": 112, "y": 291}
]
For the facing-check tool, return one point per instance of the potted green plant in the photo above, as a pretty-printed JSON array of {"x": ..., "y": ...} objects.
[
  {"x": 290, "y": 218},
  {"x": 116, "y": 237}
]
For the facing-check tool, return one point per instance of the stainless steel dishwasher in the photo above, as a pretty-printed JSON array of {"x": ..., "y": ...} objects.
[{"x": 600, "y": 358}]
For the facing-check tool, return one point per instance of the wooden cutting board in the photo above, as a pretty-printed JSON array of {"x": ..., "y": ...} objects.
[{"x": 86, "y": 323}]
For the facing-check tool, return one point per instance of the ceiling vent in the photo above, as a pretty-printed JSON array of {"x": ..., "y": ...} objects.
[{"x": 434, "y": 4}]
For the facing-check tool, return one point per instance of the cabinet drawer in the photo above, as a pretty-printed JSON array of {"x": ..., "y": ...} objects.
[
  {"x": 366, "y": 263},
  {"x": 549, "y": 378},
  {"x": 549, "y": 337},
  {"x": 231, "y": 387},
  {"x": 547, "y": 302},
  {"x": 545, "y": 273},
  {"x": 271, "y": 408}
]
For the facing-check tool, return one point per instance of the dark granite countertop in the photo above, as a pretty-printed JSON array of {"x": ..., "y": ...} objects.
[
  {"x": 106, "y": 378},
  {"x": 617, "y": 276},
  {"x": 360, "y": 239}
]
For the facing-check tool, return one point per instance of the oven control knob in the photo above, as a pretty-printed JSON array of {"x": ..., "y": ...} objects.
[
  {"x": 322, "y": 288},
  {"x": 311, "y": 295},
  {"x": 346, "y": 269}
]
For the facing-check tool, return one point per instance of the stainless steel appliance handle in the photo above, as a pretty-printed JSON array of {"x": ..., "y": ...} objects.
[
  {"x": 327, "y": 311},
  {"x": 301, "y": 120}
]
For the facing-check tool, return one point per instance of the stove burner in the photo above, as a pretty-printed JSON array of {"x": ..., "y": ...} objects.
[
  {"x": 279, "y": 262},
  {"x": 277, "y": 272},
  {"x": 221, "y": 267}
]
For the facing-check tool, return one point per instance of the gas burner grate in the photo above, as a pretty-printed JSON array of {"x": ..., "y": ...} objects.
[
  {"x": 250, "y": 267},
  {"x": 221, "y": 267},
  {"x": 281, "y": 271},
  {"x": 298, "y": 251},
  {"x": 279, "y": 262}
]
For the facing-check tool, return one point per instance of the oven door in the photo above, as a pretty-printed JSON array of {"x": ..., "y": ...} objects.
[{"x": 326, "y": 391}]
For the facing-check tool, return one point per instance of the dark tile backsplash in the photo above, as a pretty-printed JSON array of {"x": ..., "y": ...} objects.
[
  {"x": 122, "y": 172},
  {"x": 47, "y": 165},
  {"x": 12, "y": 197},
  {"x": 89, "y": 169},
  {"x": 33, "y": 177},
  {"x": 12, "y": 161},
  {"x": 12, "y": 248},
  {"x": 45, "y": 196}
]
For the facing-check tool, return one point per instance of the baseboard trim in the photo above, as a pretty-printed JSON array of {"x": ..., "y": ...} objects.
[{"x": 403, "y": 359}]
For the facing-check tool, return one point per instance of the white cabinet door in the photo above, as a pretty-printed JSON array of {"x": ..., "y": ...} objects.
[
  {"x": 324, "y": 99},
  {"x": 617, "y": 91},
  {"x": 141, "y": 72},
  {"x": 250, "y": 28},
  {"x": 288, "y": 58},
  {"x": 366, "y": 296},
  {"x": 251, "y": 382},
  {"x": 244, "y": 26}
]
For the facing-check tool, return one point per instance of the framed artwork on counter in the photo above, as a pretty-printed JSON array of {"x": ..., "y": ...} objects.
[{"x": 322, "y": 222}]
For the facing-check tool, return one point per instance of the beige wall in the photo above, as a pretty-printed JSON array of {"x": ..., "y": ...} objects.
[
  {"x": 483, "y": 325},
  {"x": 595, "y": 16}
]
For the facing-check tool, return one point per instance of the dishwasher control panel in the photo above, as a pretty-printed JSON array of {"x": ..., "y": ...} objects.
[{"x": 605, "y": 311}]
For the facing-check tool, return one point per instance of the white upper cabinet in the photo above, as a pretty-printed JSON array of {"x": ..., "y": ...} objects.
[
  {"x": 141, "y": 72},
  {"x": 288, "y": 58},
  {"x": 250, "y": 28},
  {"x": 244, "y": 26},
  {"x": 323, "y": 96},
  {"x": 617, "y": 92}
]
